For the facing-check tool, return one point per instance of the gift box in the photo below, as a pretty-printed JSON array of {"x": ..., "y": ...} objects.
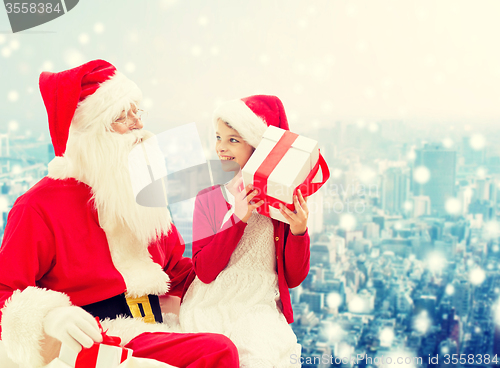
[
  {"x": 282, "y": 163},
  {"x": 107, "y": 354}
]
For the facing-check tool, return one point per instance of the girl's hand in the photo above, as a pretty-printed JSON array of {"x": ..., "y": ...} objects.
[
  {"x": 243, "y": 200},
  {"x": 297, "y": 220}
]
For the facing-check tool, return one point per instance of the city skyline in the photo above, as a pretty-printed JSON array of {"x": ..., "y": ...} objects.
[
  {"x": 391, "y": 272},
  {"x": 403, "y": 99},
  {"x": 328, "y": 61}
]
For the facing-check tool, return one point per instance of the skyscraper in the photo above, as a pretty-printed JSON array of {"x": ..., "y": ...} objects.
[
  {"x": 421, "y": 206},
  {"x": 472, "y": 156},
  {"x": 439, "y": 165},
  {"x": 395, "y": 189},
  {"x": 462, "y": 296},
  {"x": 323, "y": 253}
]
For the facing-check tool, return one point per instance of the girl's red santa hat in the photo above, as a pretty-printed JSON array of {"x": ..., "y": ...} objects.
[
  {"x": 250, "y": 116},
  {"x": 80, "y": 97}
]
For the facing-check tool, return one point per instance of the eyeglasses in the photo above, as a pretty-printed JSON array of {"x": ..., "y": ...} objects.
[{"x": 131, "y": 121}]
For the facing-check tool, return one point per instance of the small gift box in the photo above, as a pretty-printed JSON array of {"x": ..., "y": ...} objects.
[
  {"x": 107, "y": 354},
  {"x": 282, "y": 163}
]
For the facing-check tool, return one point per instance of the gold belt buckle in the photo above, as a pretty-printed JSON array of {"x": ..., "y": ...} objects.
[{"x": 136, "y": 304}]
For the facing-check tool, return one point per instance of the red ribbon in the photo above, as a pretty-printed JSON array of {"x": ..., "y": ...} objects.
[
  {"x": 269, "y": 164},
  {"x": 266, "y": 168},
  {"x": 87, "y": 358},
  {"x": 108, "y": 340}
]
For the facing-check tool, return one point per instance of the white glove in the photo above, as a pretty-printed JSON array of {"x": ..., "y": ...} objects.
[{"x": 73, "y": 326}]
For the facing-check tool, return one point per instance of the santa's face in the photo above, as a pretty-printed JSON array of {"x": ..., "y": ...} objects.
[
  {"x": 101, "y": 160},
  {"x": 128, "y": 121},
  {"x": 230, "y": 146}
]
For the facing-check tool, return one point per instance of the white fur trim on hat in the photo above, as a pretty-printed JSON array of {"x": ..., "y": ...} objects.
[
  {"x": 107, "y": 102},
  {"x": 242, "y": 119},
  {"x": 60, "y": 168},
  {"x": 22, "y": 323}
]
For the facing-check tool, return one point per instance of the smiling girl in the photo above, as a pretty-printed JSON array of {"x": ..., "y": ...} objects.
[{"x": 245, "y": 262}]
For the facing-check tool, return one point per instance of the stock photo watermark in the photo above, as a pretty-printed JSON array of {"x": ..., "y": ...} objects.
[
  {"x": 357, "y": 359},
  {"x": 29, "y": 14}
]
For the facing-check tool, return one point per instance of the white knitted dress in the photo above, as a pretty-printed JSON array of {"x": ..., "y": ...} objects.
[{"x": 241, "y": 302}]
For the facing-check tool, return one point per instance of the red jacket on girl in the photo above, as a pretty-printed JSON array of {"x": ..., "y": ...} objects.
[{"x": 213, "y": 245}]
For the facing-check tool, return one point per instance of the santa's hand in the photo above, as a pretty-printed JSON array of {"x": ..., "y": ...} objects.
[{"x": 72, "y": 326}]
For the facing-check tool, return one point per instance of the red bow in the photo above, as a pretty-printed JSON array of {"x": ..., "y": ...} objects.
[
  {"x": 108, "y": 340},
  {"x": 87, "y": 358}
]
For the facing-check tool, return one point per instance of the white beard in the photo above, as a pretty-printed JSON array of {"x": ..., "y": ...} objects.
[{"x": 101, "y": 161}]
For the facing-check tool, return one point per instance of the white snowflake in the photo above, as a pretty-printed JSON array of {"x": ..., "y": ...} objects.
[
  {"x": 421, "y": 175},
  {"x": 83, "y": 38},
  {"x": 98, "y": 28},
  {"x": 477, "y": 142},
  {"x": 12, "y": 96}
]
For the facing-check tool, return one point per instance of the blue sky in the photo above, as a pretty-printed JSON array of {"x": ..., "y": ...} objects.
[{"x": 327, "y": 60}]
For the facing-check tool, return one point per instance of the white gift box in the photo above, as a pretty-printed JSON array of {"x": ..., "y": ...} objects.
[
  {"x": 104, "y": 356},
  {"x": 291, "y": 170},
  {"x": 132, "y": 362}
]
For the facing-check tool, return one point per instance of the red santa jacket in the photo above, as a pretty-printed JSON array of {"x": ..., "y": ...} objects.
[
  {"x": 54, "y": 250},
  {"x": 213, "y": 245}
]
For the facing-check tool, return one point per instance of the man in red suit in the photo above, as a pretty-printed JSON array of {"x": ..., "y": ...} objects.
[{"x": 77, "y": 245}]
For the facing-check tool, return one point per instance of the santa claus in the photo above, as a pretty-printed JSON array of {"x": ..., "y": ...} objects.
[{"x": 77, "y": 245}]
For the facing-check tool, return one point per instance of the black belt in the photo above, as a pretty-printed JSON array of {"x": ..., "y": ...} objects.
[{"x": 146, "y": 308}]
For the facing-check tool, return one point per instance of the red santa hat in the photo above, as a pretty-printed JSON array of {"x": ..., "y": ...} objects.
[
  {"x": 87, "y": 90},
  {"x": 250, "y": 116}
]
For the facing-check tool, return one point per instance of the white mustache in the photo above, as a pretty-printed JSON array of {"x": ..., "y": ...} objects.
[{"x": 137, "y": 136}]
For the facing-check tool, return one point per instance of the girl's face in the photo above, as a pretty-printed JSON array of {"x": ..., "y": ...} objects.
[{"x": 230, "y": 145}]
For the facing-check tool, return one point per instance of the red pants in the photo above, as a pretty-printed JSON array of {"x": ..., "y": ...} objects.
[{"x": 189, "y": 350}]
